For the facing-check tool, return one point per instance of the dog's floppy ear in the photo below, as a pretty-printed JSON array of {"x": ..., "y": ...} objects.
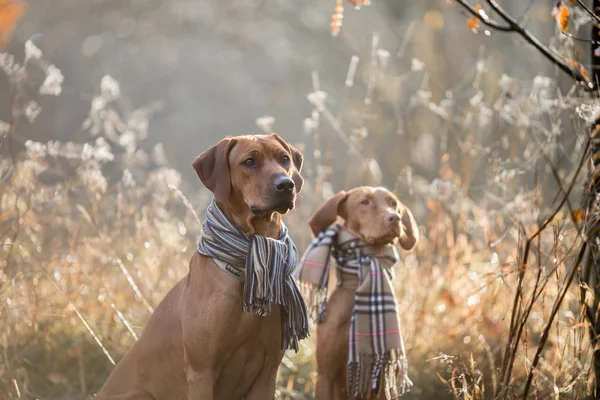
[
  {"x": 328, "y": 212},
  {"x": 297, "y": 158},
  {"x": 212, "y": 168},
  {"x": 410, "y": 229}
]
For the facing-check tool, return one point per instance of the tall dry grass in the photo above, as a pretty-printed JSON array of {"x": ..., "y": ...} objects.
[{"x": 94, "y": 234}]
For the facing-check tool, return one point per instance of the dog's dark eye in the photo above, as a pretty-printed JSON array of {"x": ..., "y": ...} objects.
[
  {"x": 394, "y": 204},
  {"x": 285, "y": 160},
  {"x": 365, "y": 202},
  {"x": 249, "y": 162}
]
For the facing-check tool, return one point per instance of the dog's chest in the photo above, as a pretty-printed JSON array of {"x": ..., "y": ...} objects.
[
  {"x": 257, "y": 335},
  {"x": 255, "y": 350}
]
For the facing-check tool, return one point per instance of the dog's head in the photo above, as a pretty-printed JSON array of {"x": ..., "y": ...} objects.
[
  {"x": 373, "y": 213},
  {"x": 259, "y": 174}
]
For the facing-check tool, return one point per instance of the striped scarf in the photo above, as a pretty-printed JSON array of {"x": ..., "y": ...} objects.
[
  {"x": 268, "y": 264},
  {"x": 376, "y": 358}
]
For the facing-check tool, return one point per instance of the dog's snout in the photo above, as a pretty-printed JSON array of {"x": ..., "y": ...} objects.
[
  {"x": 392, "y": 217},
  {"x": 284, "y": 184}
]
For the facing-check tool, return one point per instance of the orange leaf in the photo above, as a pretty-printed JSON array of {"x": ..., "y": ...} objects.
[
  {"x": 336, "y": 18},
  {"x": 359, "y": 3},
  {"x": 584, "y": 73},
  {"x": 561, "y": 14},
  {"x": 11, "y": 12},
  {"x": 577, "y": 215},
  {"x": 474, "y": 22},
  {"x": 595, "y": 131}
]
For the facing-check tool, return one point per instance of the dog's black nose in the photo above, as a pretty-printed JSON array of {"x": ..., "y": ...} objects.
[{"x": 284, "y": 184}]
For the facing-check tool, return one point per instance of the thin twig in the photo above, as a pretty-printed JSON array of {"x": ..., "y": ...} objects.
[
  {"x": 514, "y": 26},
  {"x": 516, "y": 329},
  {"x": 592, "y": 14},
  {"x": 484, "y": 18},
  {"x": 553, "y": 314}
]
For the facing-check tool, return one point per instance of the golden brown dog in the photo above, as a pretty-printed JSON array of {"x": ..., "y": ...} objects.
[
  {"x": 199, "y": 344},
  {"x": 376, "y": 216}
]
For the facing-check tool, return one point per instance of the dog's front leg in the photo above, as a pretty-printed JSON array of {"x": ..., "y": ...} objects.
[
  {"x": 199, "y": 369},
  {"x": 324, "y": 389},
  {"x": 200, "y": 385},
  {"x": 263, "y": 387}
]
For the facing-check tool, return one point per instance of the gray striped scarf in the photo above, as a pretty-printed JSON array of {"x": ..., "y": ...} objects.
[
  {"x": 376, "y": 356},
  {"x": 268, "y": 263}
]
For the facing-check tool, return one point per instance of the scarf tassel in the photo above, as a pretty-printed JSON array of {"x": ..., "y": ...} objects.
[
  {"x": 316, "y": 301},
  {"x": 265, "y": 287},
  {"x": 377, "y": 374},
  {"x": 269, "y": 264}
]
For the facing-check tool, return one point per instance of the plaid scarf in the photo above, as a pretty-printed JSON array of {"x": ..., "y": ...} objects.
[
  {"x": 268, "y": 264},
  {"x": 376, "y": 357}
]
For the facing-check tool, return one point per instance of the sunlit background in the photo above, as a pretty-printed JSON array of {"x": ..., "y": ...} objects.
[{"x": 461, "y": 125}]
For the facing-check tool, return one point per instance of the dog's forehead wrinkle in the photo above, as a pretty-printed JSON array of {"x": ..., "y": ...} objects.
[{"x": 260, "y": 146}]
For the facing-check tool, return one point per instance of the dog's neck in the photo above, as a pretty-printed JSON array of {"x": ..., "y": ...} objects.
[{"x": 268, "y": 224}]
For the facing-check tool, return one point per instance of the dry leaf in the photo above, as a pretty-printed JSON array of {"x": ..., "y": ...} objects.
[
  {"x": 561, "y": 14},
  {"x": 336, "y": 18},
  {"x": 11, "y": 12},
  {"x": 359, "y": 3},
  {"x": 582, "y": 70},
  {"x": 577, "y": 215},
  {"x": 474, "y": 22}
]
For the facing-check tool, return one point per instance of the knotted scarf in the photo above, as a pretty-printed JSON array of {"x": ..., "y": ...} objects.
[
  {"x": 268, "y": 263},
  {"x": 376, "y": 357}
]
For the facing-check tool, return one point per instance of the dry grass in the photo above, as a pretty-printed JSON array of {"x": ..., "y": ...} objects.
[{"x": 94, "y": 236}]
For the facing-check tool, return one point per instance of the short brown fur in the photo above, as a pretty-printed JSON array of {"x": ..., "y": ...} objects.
[
  {"x": 199, "y": 344},
  {"x": 377, "y": 216}
]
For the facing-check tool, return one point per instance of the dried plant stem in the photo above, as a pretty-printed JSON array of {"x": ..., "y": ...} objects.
[
  {"x": 556, "y": 306},
  {"x": 8, "y": 137},
  {"x": 91, "y": 331},
  {"x": 134, "y": 286},
  {"x": 520, "y": 316}
]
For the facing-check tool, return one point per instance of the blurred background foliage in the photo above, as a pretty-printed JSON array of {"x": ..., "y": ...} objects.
[{"x": 100, "y": 208}]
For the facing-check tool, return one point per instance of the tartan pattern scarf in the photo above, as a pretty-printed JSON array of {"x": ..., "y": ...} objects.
[
  {"x": 376, "y": 358},
  {"x": 268, "y": 263}
]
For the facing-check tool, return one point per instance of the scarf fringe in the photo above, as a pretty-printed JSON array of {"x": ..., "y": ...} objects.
[
  {"x": 265, "y": 287},
  {"x": 269, "y": 264},
  {"x": 377, "y": 374},
  {"x": 316, "y": 301}
]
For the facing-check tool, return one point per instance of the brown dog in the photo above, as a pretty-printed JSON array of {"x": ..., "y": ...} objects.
[
  {"x": 377, "y": 217},
  {"x": 199, "y": 344}
]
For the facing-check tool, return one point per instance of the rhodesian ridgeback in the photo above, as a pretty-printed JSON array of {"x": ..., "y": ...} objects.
[
  {"x": 199, "y": 344},
  {"x": 377, "y": 217}
]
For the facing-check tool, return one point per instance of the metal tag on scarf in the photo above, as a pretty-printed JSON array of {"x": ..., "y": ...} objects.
[{"x": 236, "y": 272}]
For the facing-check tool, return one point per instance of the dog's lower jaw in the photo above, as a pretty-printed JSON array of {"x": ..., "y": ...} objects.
[
  {"x": 264, "y": 224},
  {"x": 280, "y": 207}
]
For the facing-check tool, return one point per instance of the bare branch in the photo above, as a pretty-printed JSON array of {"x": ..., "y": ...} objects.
[
  {"x": 581, "y": 3},
  {"x": 514, "y": 26},
  {"x": 484, "y": 18}
]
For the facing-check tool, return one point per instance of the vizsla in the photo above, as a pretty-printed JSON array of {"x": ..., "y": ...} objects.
[
  {"x": 375, "y": 217},
  {"x": 199, "y": 344}
]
